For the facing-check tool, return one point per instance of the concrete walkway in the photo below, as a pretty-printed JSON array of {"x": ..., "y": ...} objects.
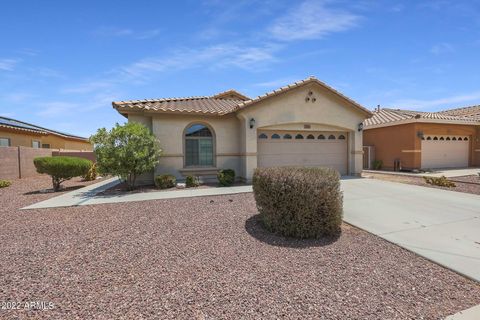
[
  {"x": 449, "y": 173},
  {"x": 88, "y": 195},
  {"x": 440, "y": 225}
]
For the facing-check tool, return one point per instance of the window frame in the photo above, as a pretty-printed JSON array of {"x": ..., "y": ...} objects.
[
  {"x": 214, "y": 146},
  {"x": 39, "y": 144},
  {"x": 9, "y": 141}
]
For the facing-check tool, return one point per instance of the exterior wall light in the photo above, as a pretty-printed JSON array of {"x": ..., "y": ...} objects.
[
  {"x": 420, "y": 134},
  {"x": 252, "y": 123},
  {"x": 360, "y": 126}
]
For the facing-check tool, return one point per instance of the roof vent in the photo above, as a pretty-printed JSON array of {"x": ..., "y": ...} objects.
[{"x": 417, "y": 116}]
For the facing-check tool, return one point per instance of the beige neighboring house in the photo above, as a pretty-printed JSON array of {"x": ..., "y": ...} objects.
[{"x": 306, "y": 123}]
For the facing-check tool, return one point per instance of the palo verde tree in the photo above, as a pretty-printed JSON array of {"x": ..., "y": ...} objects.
[{"x": 126, "y": 151}]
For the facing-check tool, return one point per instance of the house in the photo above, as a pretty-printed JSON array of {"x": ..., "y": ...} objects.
[
  {"x": 306, "y": 123},
  {"x": 14, "y": 133},
  {"x": 423, "y": 140}
]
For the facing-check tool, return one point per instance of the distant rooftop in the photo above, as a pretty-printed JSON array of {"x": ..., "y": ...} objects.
[{"x": 20, "y": 125}]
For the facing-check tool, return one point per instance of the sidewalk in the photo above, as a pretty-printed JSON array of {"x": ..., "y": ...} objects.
[{"x": 449, "y": 173}]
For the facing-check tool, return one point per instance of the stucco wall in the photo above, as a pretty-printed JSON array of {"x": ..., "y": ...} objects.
[
  {"x": 401, "y": 142},
  {"x": 291, "y": 111},
  {"x": 25, "y": 138}
]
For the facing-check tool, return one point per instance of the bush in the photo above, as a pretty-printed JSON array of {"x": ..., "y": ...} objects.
[
  {"x": 226, "y": 177},
  {"x": 192, "y": 181},
  {"x": 165, "y": 181},
  {"x": 92, "y": 173},
  {"x": 441, "y": 182},
  {"x": 299, "y": 202},
  {"x": 377, "y": 164},
  {"x": 62, "y": 168},
  {"x": 4, "y": 183}
]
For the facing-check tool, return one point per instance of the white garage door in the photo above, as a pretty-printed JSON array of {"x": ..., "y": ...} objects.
[
  {"x": 445, "y": 151},
  {"x": 309, "y": 149}
]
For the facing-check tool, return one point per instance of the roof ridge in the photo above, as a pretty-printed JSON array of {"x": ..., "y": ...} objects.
[{"x": 39, "y": 128}]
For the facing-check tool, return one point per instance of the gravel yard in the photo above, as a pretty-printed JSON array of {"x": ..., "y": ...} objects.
[
  {"x": 467, "y": 184},
  {"x": 205, "y": 258}
]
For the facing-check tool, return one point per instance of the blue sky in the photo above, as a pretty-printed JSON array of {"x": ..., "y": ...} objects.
[{"x": 63, "y": 62}]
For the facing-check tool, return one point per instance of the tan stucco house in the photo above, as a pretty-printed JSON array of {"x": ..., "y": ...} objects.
[
  {"x": 415, "y": 140},
  {"x": 306, "y": 123}
]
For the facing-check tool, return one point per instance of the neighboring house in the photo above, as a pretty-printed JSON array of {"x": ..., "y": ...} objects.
[
  {"x": 15, "y": 133},
  {"x": 424, "y": 140},
  {"x": 306, "y": 123}
]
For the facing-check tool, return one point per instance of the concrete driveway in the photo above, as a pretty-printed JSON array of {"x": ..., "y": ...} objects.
[{"x": 442, "y": 226}]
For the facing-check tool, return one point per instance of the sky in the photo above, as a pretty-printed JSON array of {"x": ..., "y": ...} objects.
[{"x": 62, "y": 63}]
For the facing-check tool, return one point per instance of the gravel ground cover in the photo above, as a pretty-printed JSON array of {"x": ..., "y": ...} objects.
[
  {"x": 205, "y": 258},
  {"x": 467, "y": 184}
]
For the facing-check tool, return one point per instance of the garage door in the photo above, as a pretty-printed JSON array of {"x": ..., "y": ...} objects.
[
  {"x": 309, "y": 149},
  {"x": 445, "y": 151}
]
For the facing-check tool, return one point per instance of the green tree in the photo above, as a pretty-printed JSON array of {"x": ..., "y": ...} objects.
[
  {"x": 126, "y": 151},
  {"x": 61, "y": 168}
]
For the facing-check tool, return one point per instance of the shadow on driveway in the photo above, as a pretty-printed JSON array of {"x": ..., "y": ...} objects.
[{"x": 254, "y": 227}]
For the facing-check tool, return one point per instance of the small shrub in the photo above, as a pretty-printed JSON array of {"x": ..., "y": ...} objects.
[
  {"x": 165, "y": 181},
  {"x": 92, "y": 173},
  {"x": 62, "y": 168},
  {"x": 192, "y": 181},
  {"x": 299, "y": 202},
  {"x": 4, "y": 183},
  {"x": 226, "y": 177},
  {"x": 377, "y": 164},
  {"x": 440, "y": 181}
]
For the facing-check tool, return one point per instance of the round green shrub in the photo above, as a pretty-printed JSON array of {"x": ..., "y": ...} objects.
[
  {"x": 226, "y": 177},
  {"x": 4, "y": 183},
  {"x": 62, "y": 168},
  {"x": 299, "y": 202},
  {"x": 165, "y": 181},
  {"x": 192, "y": 181}
]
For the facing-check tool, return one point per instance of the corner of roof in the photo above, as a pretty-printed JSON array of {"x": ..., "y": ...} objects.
[{"x": 230, "y": 92}]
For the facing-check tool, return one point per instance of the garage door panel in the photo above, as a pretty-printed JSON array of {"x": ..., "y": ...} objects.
[{"x": 445, "y": 154}]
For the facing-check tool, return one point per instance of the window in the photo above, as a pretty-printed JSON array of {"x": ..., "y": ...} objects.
[
  {"x": 321, "y": 137},
  {"x": 435, "y": 138},
  {"x": 46, "y": 145},
  {"x": 298, "y": 136},
  {"x": 198, "y": 146},
  {"x": 454, "y": 139},
  {"x": 310, "y": 136},
  {"x": 429, "y": 138},
  {"x": 263, "y": 136},
  {"x": 441, "y": 138},
  {"x": 331, "y": 137},
  {"x": 448, "y": 139},
  {"x": 275, "y": 136},
  {"x": 341, "y": 137},
  {"x": 465, "y": 139},
  {"x": 4, "y": 142},
  {"x": 287, "y": 136},
  {"x": 35, "y": 144}
]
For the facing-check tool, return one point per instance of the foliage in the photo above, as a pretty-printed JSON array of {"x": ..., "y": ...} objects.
[
  {"x": 62, "y": 168},
  {"x": 165, "y": 181},
  {"x": 4, "y": 183},
  {"x": 92, "y": 173},
  {"x": 299, "y": 202},
  {"x": 192, "y": 181},
  {"x": 126, "y": 151},
  {"x": 377, "y": 164},
  {"x": 226, "y": 177},
  {"x": 440, "y": 181}
]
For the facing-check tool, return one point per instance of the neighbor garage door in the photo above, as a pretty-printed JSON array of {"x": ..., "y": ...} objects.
[
  {"x": 445, "y": 151},
  {"x": 310, "y": 149}
]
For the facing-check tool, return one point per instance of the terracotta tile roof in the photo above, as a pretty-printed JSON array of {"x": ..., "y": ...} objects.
[
  {"x": 24, "y": 126},
  {"x": 298, "y": 84},
  {"x": 469, "y": 112},
  {"x": 203, "y": 105},
  {"x": 387, "y": 116},
  {"x": 222, "y": 103}
]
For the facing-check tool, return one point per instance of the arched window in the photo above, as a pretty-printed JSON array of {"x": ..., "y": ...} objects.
[
  {"x": 429, "y": 138},
  {"x": 435, "y": 138},
  {"x": 310, "y": 136},
  {"x": 341, "y": 137},
  {"x": 298, "y": 136},
  {"x": 287, "y": 136},
  {"x": 275, "y": 136},
  {"x": 321, "y": 137},
  {"x": 198, "y": 146},
  {"x": 448, "y": 139},
  {"x": 331, "y": 137},
  {"x": 442, "y": 138},
  {"x": 263, "y": 136}
]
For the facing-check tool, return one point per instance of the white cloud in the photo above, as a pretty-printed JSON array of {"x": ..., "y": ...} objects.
[
  {"x": 56, "y": 108},
  {"x": 452, "y": 101},
  {"x": 8, "y": 64},
  {"x": 126, "y": 32},
  {"x": 312, "y": 20},
  {"x": 442, "y": 48}
]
